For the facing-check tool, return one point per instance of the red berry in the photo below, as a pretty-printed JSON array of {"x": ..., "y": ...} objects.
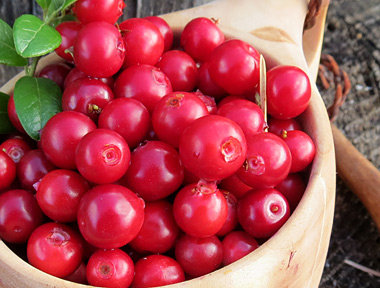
[
  {"x": 180, "y": 69},
  {"x": 200, "y": 209},
  {"x": 55, "y": 249},
  {"x": 207, "y": 85},
  {"x": 292, "y": 188},
  {"x": 69, "y": 31},
  {"x": 102, "y": 156},
  {"x": 288, "y": 91},
  {"x": 79, "y": 275},
  {"x": 209, "y": 101},
  {"x": 144, "y": 83},
  {"x": 12, "y": 114},
  {"x": 212, "y": 147},
  {"x": 76, "y": 74},
  {"x": 110, "y": 268},
  {"x": 200, "y": 37},
  {"x": 99, "y": 49},
  {"x": 261, "y": 213},
  {"x": 235, "y": 186},
  {"x": 20, "y": 215},
  {"x": 277, "y": 126},
  {"x": 7, "y": 170},
  {"x": 56, "y": 73},
  {"x": 165, "y": 30},
  {"x": 98, "y": 10},
  {"x": 110, "y": 216},
  {"x": 128, "y": 117},
  {"x": 157, "y": 270},
  {"x": 174, "y": 113},
  {"x": 61, "y": 135},
  {"x": 231, "y": 221},
  {"x": 15, "y": 148},
  {"x": 144, "y": 43},
  {"x": 236, "y": 245}
]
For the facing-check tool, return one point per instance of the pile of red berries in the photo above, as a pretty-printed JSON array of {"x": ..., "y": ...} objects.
[{"x": 143, "y": 164}]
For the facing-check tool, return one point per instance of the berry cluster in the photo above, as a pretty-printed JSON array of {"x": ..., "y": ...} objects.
[{"x": 143, "y": 179}]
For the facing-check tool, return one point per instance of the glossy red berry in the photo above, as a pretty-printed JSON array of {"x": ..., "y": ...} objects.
[
  {"x": 212, "y": 147},
  {"x": 209, "y": 101},
  {"x": 200, "y": 209},
  {"x": 231, "y": 220},
  {"x": 61, "y": 135},
  {"x": 267, "y": 163},
  {"x": 12, "y": 114},
  {"x": 277, "y": 126},
  {"x": 98, "y": 10},
  {"x": 128, "y": 117},
  {"x": 301, "y": 147},
  {"x": 87, "y": 96},
  {"x": 56, "y": 73},
  {"x": 55, "y": 249},
  {"x": 15, "y": 148},
  {"x": 102, "y": 156},
  {"x": 155, "y": 172},
  {"x": 235, "y": 66},
  {"x": 262, "y": 213},
  {"x": 76, "y": 74},
  {"x": 99, "y": 49},
  {"x": 293, "y": 188},
  {"x": 235, "y": 186},
  {"x": 32, "y": 167},
  {"x": 20, "y": 215},
  {"x": 165, "y": 30},
  {"x": 157, "y": 270},
  {"x": 110, "y": 268},
  {"x": 79, "y": 275},
  {"x": 200, "y": 37},
  {"x": 236, "y": 245},
  {"x": 199, "y": 256},
  {"x": 180, "y": 68},
  {"x": 7, "y": 170},
  {"x": 144, "y": 43},
  {"x": 110, "y": 216},
  {"x": 288, "y": 91},
  {"x": 159, "y": 231},
  {"x": 61, "y": 188},
  {"x": 69, "y": 31},
  {"x": 174, "y": 113},
  {"x": 247, "y": 114},
  {"x": 144, "y": 83},
  {"x": 207, "y": 85}
]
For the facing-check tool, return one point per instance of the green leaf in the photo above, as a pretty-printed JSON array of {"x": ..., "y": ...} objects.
[
  {"x": 8, "y": 54},
  {"x": 57, "y": 6},
  {"x": 5, "y": 124},
  {"x": 44, "y": 3},
  {"x": 33, "y": 37},
  {"x": 36, "y": 101},
  {"x": 59, "y": 20}
]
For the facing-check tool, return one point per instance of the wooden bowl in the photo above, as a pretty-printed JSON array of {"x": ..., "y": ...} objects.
[{"x": 295, "y": 255}]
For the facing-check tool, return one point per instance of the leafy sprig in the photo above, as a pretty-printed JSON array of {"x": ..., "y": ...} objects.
[{"x": 36, "y": 99}]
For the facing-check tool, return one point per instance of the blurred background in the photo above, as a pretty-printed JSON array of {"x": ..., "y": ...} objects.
[{"x": 352, "y": 37}]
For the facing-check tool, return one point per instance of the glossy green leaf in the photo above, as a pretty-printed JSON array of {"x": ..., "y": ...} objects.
[
  {"x": 57, "y": 6},
  {"x": 33, "y": 37},
  {"x": 5, "y": 124},
  {"x": 36, "y": 101},
  {"x": 44, "y": 3},
  {"x": 8, "y": 54}
]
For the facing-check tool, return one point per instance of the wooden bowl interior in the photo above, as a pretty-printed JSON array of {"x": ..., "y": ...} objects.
[{"x": 294, "y": 256}]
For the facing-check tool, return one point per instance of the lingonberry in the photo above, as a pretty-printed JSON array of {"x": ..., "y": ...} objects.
[
  {"x": 32, "y": 167},
  {"x": 180, "y": 68},
  {"x": 236, "y": 245},
  {"x": 69, "y": 31},
  {"x": 79, "y": 275},
  {"x": 98, "y": 10},
  {"x": 128, "y": 117},
  {"x": 174, "y": 113},
  {"x": 199, "y": 256},
  {"x": 200, "y": 209},
  {"x": 15, "y": 148},
  {"x": 110, "y": 268},
  {"x": 61, "y": 135},
  {"x": 231, "y": 220},
  {"x": 102, "y": 156},
  {"x": 56, "y": 73},
  {"x": 277, "y": 126},
  {"x": 157, "y": 270},
  {"x": 144, "y": 43},
  {"x": 110, "y": 216},
  {"x": 207, "y": 85},
  {"x": 267, "y": 163},
  {"x": 200, "y": 45},
  {"x": 76, "y": 74},
  {"x": 262, "y": 213},
  {"x": 20, "y": 215},
  {"x": 235, "y": 186},
  {"x": 61, "y": 188},
  {"x": 159, "y": 231},
  {"x": 144, "y": 83},
  {"x": 7, "y": 170},
  {"x": 88, "y": 96},
  {"x": 165, "y": 30},
  {"x": 55, "y": 249},
  {"x": 234, "y": 66},
  {"x": 155, "y": 172},
  {"x": 12, "y": 114},
  {"x": 292, "y": 188},
  {"x": 288, "y": 91},
  {"x": 213, "y": 147},
  {"x": 99, "y": 49}
]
